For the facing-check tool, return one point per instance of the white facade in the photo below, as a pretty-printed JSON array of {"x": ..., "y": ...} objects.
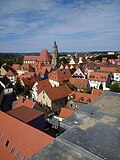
[
  {"x": 54, "y": 83},
  {"x": 117, "y": 77},
  {"x": 96, "y": 84},
  {"x": 44, "y": 99},
  {"x": 72, "y": 61},
  {"x": 34, "y": 92}
]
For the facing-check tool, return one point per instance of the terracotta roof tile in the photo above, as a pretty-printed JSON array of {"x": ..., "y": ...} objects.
[
  {"x": 65, "y": 113},
  {"x": 24, "y": 138},
  {"x": 25, "y": 114},
  {"x": 57, "y": 93},
  {"x": 24, "y": 102},
  {"x": 15, "y": 66},
  {"x": 99, "y": 76},
  {"x": 60, "y": 75},
  {"x": 79, "y": 83}
]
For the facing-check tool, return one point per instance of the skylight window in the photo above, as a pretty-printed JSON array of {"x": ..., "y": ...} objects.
[
  {"x": 2, "y": 137},
  {"x": 22, "y": 158},
  {"x": 16, "y": 154},
  {"x": 12, "y": 150}
]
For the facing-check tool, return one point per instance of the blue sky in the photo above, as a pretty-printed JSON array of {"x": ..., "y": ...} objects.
[{"x": 76, "y": 25}]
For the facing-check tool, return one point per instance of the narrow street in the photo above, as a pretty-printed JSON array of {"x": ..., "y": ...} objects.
[{"x": 8, "y": 100}]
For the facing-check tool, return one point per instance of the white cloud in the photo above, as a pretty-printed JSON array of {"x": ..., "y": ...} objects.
[{"x": 76, "y": 26}]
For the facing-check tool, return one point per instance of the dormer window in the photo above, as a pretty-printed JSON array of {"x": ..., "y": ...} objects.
[
  {"x": 16, "y": 154},
  {"x": 2, "y": 137},
  {"x": 12, "y": 150},
  {"x": 22, "y": 158}
]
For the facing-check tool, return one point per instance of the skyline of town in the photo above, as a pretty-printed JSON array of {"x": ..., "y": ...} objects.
[{"x": 28, "y": 26}]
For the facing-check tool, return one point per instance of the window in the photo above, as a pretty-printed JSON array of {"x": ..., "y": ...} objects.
[
  {"x": 7, "y": 143},
  {"x": 12, "y": 150},
  {"x": 22, "y": 158},
  {"x": 16, "y": 154},
  {"x": 43, "y": 97},
  {"x": 2, "y": 137}
]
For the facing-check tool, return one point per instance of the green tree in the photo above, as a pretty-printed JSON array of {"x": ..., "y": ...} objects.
[
  {"x": 18, "y": 88},
  {"x": 115, "y": 87}
]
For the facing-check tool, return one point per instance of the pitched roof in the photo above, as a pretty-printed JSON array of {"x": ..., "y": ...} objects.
[
  {"x": 26, "y": 67},
  {"x": 5, "y": 80},
  {"x": 26, "y": 75},
  {"x": 98, "y": 76},
  {"x": 29, "y": 81},
  {"x": 44, "y": 56},
  {"x": 65, "y": 113},
  {"x": 25, "y": 114},
  {"x": 31, "y": 58},
  {"x": 60, "y": 75},
  {"x": 79, "y": 83},
  {"x": 85, "y": 97},
  {"x": 24, "y": 102},
  {"x": 109, "y": 69},
  {"x": 43, "y": 85},
  {"x": 15, "y": 66},
  {"x": 57, "y": 93},
  {"x": 11, "y": 72},
  {"x": 25, "y": 139}
]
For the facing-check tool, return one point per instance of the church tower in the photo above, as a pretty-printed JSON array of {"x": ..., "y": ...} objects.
[{"x": 55, "y": 54}]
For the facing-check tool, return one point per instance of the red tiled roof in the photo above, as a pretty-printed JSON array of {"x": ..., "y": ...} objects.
[
  {"x": 57, "y": 93},
  {"x": 31, "y": 58},
  {"x": 85, "y": 97},
  {"x": 29, "y": 81},
  {"x": 98, "y": 76},
  {"x": 25, "y": 114},
  {"x": 65, "y": 113},
  {"x": 44, "y": 56},
  {"x": 109, "y": 69},
  {"x": 11, "y": 72},
  {"x": 25, "y": 139},
  {"x": 24, "y": 102},
  {"x": 26, "y": 67},
  {"x": 79, "y": 83},
  {"x": 26, "y": 75},
  {"x": 15, "y": 66},
  {"x": 43, "y": 85},
  {"x": 60, "y": 75}
]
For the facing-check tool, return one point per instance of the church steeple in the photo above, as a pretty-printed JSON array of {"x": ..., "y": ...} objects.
[{"x": 55, "y": 54}]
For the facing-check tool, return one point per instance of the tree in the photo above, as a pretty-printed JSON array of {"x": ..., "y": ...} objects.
[
  {"x": 18, "y": 88},
  {"x": 115, "y": 87}
]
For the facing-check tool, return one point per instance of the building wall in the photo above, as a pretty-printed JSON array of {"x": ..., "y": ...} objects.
[
  {"x": 117, "y": 77},
  {"x": 44, "y": 99},
  {"x": 54, "y": 83},
  {"x": 57, "y": 104},
  {"x": 3, "y": 71},
  {"x": 38, "y": 123}
]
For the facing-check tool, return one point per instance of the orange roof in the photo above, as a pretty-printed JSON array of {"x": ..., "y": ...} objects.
[
  {"x": 57, "y": 93},
  {"x": 11, "y": 72},
  {"x": 29, "y": 81},
  {"x": 15, "y": 66},
  {"x": 60, "y": 75},
  {"x": 109, "y": 69},
  {"x": 25, "y": 114},
  {"x": 85, "y": 97},
  {"x": 79, "y": 83},
  {"x": 20, "y": 137},
  {"x": 26, "y": 75},
  {"x": 44, "y": 56},
  {"x": 24, "y": 102},
  {"x": 98, "y": 76},
  {"x": 65, "y": 113},
  {"x": 43, "y": 85},
  {"x": 31, "y": 58},
  {"x": 26, "y": 67}
]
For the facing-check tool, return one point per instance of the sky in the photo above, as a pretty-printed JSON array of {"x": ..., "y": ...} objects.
[{"x": 76, "y": 25}]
